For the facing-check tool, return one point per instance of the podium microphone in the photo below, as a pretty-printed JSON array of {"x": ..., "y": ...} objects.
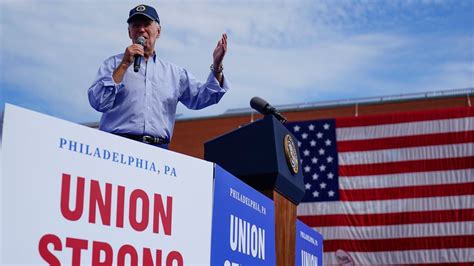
[
  {"x": 138, "y": 58},
  {"x": 265, "y": 108}
]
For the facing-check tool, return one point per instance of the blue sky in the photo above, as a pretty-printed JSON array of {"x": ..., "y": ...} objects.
[{"x": 287, "y": 52}]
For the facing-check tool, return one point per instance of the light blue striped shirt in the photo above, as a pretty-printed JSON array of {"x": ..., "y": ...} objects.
[{"x": 144, "y": 103}]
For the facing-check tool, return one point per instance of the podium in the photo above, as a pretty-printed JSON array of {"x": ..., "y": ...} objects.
[{"x": 265, "y": 155}]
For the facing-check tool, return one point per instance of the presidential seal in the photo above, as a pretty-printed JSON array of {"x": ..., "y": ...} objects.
[{"x": 291, "y": 154}]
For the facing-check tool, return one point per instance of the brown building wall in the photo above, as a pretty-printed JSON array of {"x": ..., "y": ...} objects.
[{"x": 190, "y": 135}]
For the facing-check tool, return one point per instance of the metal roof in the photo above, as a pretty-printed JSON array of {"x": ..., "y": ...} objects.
[{"x": 366, "y": 100}]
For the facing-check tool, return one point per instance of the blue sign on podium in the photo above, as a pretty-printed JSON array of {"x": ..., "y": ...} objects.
[
  {"x": 243, "y": 228},
  {"x": 309, "y": 246}
]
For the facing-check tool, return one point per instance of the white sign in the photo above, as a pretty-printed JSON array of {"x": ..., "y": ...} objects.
[{"x": 75, "y": 195}]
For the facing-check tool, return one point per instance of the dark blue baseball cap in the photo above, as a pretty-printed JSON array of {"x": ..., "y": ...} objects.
[{"x": 144, "y": 10}]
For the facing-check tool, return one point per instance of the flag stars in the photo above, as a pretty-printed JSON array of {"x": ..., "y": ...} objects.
[
  {"x": 316, "y": 143},
  {"x": 322, "y": 168},
  {"x": 329, "y": 159}
]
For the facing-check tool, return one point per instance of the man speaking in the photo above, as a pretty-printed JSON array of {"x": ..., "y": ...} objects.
[{"x": 137, "y": 91}]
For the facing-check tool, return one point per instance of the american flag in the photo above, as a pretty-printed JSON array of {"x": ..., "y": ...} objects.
[{"x": 390, "y": 189}]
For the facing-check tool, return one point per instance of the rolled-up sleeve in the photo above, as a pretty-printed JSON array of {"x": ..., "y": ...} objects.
[
  {"x": 196, "y": 95},
  {"x": 103, "y": 90}
]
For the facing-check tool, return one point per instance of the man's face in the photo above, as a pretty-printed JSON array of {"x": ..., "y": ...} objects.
[{"x": 143, "y": 26}]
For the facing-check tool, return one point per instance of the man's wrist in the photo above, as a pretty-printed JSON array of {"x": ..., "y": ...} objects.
[
  {"x": 119, "y": 72},
  {"x": 124, "y": 64},
  {"x": 217, "y": 69}
]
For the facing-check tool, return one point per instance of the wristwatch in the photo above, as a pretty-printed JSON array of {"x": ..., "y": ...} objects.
[{"x": 217, "y": 71}]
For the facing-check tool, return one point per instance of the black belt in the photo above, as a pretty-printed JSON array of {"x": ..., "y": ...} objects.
[{"x": 145, "y": 139}]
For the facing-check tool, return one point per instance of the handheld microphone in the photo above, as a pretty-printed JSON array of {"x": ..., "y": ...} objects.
[
  {"x": 138, "y": 58},
  {"x": 265, "y": 108}
]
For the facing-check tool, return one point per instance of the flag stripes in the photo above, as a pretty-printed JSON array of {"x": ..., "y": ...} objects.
[
  {"x": 398, "y": 230},
  {"x": 400, "y": 180},
  {"x": 405, "y": 187},
  {"x": 409, "y": 129},
  {"x": 405, "y": 118},
  {"x": 407, "y": 167},
  {"x": 442, "y": 216},
  {"x": 407, "y": 192},
  {"x": 388, "y": 206},
  {"x": 406, "y": 141},
  {"x": 406, "y": 154},
  {"x": 414, "y": 257}
]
